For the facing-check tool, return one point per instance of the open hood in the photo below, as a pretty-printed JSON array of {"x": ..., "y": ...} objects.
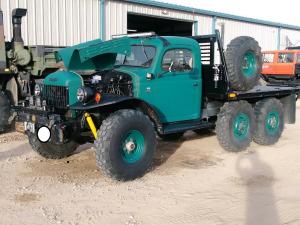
[{"x": 94, "y": 55}]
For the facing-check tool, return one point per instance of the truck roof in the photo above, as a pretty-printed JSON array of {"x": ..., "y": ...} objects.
[{"x": 282, "y": 51}]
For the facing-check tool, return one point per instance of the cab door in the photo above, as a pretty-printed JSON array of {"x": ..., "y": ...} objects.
[{"x": 176, "y": 90}]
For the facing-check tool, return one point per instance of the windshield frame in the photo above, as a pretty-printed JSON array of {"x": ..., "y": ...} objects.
[{"x": 139, "y": 45}]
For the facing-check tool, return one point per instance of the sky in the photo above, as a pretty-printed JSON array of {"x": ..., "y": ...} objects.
[{"x": 287, "y": 12}]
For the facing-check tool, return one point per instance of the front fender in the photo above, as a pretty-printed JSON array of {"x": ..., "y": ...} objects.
[
  {"x": 107, "y": 99},
  {"x": 120, "y": 102}
]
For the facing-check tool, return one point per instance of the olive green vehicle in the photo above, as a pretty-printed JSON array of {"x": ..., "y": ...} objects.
[
  {"x": 143, "y": 86},
  {"x": 20, "y": 67}
]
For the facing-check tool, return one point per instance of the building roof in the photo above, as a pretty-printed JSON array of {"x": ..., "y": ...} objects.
[{"x": 212, "y": 13}]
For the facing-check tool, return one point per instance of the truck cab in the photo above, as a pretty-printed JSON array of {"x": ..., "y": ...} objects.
[{"x": 281, "y": 64}]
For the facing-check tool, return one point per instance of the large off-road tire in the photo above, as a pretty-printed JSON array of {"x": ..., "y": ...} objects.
[
  {"x": 235, "y": 125},
  {"x": 269, "y": 116},
  {"x": 4, "y": 111},
  {"x": 126, "y": 144},
  {"x": 171, "y": 137},
  {"x": 244, "y": 63},
  {"x": 51, "y": 150}
]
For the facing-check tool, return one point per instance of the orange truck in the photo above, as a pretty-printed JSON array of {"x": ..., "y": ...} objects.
[{"x": 282, "y": 64}]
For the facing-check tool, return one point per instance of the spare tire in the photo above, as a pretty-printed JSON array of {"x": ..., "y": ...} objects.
[{"x": 244, "y": 63}]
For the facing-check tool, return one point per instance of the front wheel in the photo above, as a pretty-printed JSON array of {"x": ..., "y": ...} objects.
[
  {"x": 50, "y": 150},
  {"x": 269, "y": 121},
  {"x": 126, "y": 144},
  {"x": 235, "y": 125}
]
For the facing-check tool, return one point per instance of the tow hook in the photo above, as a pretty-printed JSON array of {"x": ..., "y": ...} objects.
[{"x": 91, "y": 124}]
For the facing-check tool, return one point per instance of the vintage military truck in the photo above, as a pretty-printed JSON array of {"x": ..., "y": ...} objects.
[
  {"x": 146, "y": 85},
  {"x": 20, "y": 67}
]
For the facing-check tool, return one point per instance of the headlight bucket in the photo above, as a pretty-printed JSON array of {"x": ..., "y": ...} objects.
[{"x": 85, "y": 94}]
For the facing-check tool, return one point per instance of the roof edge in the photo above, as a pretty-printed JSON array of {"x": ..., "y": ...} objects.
[{"x": 213, "y": 13}]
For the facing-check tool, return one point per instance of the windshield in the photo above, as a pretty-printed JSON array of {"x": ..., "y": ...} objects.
[{"x": 141, "y": 56}]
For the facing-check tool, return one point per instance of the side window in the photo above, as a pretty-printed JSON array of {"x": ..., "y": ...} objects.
[
  {"x": 268, "y": 57},
  {"x": 298, "y": 58},
  {"x": 286, "y": 58},
  {"x": 178, "y": 60}
]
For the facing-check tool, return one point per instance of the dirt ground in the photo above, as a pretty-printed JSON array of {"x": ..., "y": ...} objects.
[{"x": 193, "y": 181}]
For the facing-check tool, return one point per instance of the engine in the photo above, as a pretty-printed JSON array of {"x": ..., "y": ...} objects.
[{"x": 111, "y": 82}]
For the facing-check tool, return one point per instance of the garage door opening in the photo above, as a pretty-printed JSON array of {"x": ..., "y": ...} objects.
[{"x": 161, "y": 26}]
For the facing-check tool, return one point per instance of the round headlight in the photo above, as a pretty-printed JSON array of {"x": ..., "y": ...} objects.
[
  {"x": 84, "y": 94},
  {"x": 81, "y": 94},
  {"x": 37, "y": 90}
]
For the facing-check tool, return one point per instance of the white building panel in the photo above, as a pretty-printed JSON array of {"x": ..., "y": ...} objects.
[
  {"x": 116, "y": 17},
  {"x": 265, "y": 35},
  {"x": 289, "y": 38},
  {"x": 55, "y": 22}
]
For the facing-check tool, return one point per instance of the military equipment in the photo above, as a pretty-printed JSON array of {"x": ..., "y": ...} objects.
[{"x": 21, "y": 66}]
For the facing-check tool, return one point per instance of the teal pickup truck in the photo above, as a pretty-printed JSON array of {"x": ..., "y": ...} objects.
[{"x": 135, "y": 88}]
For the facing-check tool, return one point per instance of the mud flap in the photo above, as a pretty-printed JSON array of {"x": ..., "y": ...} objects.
[{"x": 289, "y": 105}]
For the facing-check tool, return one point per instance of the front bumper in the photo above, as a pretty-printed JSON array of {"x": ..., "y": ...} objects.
[{"x": 62, "y": 130}]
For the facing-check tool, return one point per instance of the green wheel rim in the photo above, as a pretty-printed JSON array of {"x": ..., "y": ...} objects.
[
  {"x": 133, "y": 146},
  {"x": 241, "y": 126},
  {"x": 272, "y": 122},
  {"x": 249, "y": 66}
]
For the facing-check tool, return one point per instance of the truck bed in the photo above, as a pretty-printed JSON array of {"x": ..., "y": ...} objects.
[{"x": 265, "y": 91}]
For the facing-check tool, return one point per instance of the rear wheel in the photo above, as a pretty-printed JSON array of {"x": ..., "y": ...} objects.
[
  {"x": 269, "y": 121},
  {"x": 4, "y": 111},
  {"x": 51, "y": 150},
  {"x": 244, "y": 63},
  {"x": 234, "y": 126},
  {"x": 126, "y": 144}
]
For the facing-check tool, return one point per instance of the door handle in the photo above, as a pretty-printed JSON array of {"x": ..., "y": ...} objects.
[{"x": 195, "y": 84}]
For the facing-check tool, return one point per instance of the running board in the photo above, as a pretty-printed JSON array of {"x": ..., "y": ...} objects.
[{"x": 185, "y": 126}]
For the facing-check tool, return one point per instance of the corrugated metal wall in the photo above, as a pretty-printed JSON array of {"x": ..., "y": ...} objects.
[
  {"x": 265, "y": 35},
  {"x": 116, "y": 17},
  {"x": 68, "y": 22},
  {"x": 289, "y": 38},
  {"x": 116, "y": 23},
  {"x": 55, "y": 22}
]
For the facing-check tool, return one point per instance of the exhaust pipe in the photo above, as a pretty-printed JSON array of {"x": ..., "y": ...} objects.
[
  {"x": 19, "y": 54},
  {"x": 17, "y": 15}
]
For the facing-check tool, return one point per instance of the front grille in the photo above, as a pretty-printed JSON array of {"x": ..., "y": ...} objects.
[{"x": 56, "y": 96}]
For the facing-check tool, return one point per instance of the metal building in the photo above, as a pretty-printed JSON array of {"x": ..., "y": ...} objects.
[{"x": 68, "y": 22}]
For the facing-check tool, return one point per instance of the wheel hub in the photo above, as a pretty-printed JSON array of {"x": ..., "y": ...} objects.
[
  {"x": 130, "y": 146},
  {"x": 273, "y": 122},
  {"x": 241, "y": 126},
  {"x": 133, "y": 146},
  {"x": 249, "y": 64}
]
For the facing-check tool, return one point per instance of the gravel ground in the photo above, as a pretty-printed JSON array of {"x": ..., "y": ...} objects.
[{"x": 193, "y": 181}]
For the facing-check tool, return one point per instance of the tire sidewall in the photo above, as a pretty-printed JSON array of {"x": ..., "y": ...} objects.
[
  {"x": 4, "y": 110},
  {"x": 262, "y": 135},
  {"x": 112, "y": 155}
]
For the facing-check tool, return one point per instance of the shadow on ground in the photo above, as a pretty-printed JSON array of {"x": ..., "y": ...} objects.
[{"x": 258, "y": 178}]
